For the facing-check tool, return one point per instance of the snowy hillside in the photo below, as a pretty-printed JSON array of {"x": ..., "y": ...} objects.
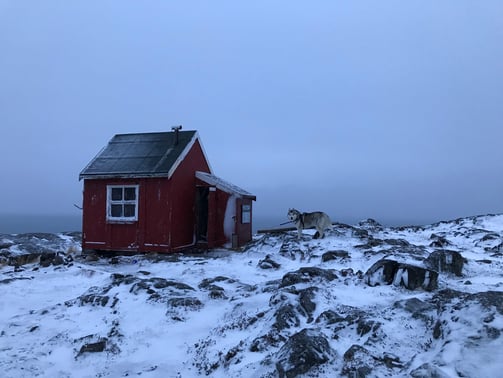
[{"x": 366, "y": 301}]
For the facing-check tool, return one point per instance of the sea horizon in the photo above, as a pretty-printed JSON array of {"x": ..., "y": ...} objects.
[{"x": 55, "y": 223}]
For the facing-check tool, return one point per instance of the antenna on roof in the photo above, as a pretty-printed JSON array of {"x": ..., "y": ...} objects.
[{"x": 176, "y": 129}]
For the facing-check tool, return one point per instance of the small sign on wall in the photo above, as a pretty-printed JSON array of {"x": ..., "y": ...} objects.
[{"x": 245, "y": 213}]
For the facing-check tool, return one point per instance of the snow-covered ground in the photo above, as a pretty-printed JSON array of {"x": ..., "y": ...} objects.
[{"x": 281, "y": 307}]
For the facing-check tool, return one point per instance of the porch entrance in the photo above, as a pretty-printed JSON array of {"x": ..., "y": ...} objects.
[{"x": 202, "y": 193}]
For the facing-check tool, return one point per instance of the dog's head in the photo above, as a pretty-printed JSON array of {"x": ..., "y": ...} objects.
[{"x": 293, "y": 214}]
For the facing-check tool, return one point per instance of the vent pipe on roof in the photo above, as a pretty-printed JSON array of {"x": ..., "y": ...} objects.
[{"x": 176, "y": 129}]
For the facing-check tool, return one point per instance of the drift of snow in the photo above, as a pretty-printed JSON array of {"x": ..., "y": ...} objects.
[{"x": 239, "y": 314}]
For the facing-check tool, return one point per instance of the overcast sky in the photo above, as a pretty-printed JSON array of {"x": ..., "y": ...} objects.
[{"x": 384, "y": 109}]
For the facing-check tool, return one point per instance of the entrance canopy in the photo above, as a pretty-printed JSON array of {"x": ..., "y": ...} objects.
[{"x": 224, "y": 185}]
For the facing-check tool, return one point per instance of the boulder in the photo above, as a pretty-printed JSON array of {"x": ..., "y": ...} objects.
[
  {"x": 414, "y": 306},
  {"x": 414, "y": 277},
  {"x": 307, "y": 305},
  {"x": 98, "y": 346},
  {"x": 286, "y": 317},
  {"x": 445, "y": 261},
  {"x": 387, "y": 271},
  {"x": 207, "y": 282},
  {"x": 371, "y": 243},
  {"x": 268, "y": 263},
  {"x": 330, "y": 317},
  {"x": 371, "y": 225},
  {"x": 488, "y": 300},
  {"x": 190, "y": 303},
  {"x": 307, "y": 274},
  {"x": 358, "y": 362},
  {"x": 381, "y": 272},
  {"x": 438, "y": 241},
  {"x": 334, "y": 255},
  {"x": 47, "y": 259},
  {"x": 302, "y": 352}
]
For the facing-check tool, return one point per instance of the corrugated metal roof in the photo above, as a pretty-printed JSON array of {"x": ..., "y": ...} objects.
[
  {"x": 134, "y": 155},
  {"x": 223, "y": 185}
]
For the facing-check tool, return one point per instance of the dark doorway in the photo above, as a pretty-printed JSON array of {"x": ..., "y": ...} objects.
[{"x": 202, "y": 213}]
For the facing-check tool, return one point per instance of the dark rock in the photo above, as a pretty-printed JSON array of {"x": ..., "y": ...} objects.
[
  {"x": 386, "y": 271},
  {"x": 445, "y": 261},
  {"x": 96, "y": 347},
  {"x": 209, "y": 281},
  {"x": 290, "y": 248},
  {"x": 94, "y": 296},
  {"x": 12, "y": 279},
  {"x": 413, "y": 277},
  {"x": 490, "y": 236},
  {"x": 302, "y": 352},
  {"x": 416, "y": 307},
  {"x": 286, "y": 317},
  {"x": 307, "y": 274},
  {"x": 437, "y": 330},
  {"x": 93, "y": 299},
  {"x": 391, "y": 361},
  {"x": 161, "y": 283},
  {"x": 151, "y": 285},
  {"x": 358, "y": 362},
  {"x": 46, "y": 259},
  {"x": 488, "y": 299},
  {"x": 334, "y": 255},
  {"x": 306, "y": 302},
  {"x": 447, "y": 295},
  {"x": 347, "y": 272},
  {"x": 330, "y": 317},
  {"x": 439, "y": 241},
  {"x": 484, "y": 261},
  {"x": 268, "y": 263},
  {"x": 32, "y": 247},
  {"x": 397, "y": 242},
  {"x": 364, "y": 326},
  {"x": 217, "y": 294},
  {"x": 263, "y": 343},
  {"x": 123, "y": 279},
  {"x": 190, "y": 303},
  {"x": 381, "y": 272},
  {"x": 371, "y": 225},
  {"x": 497, "y": 249},
  {"x": 371, "y": 243},
  {"x": 491, "y": 332},
  {"x": 360, "y": 233},
  {"x": 4, "y": 244}
]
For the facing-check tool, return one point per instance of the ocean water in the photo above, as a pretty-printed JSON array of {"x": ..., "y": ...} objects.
[
  {"x": 22, "y": 223},
  {"x": 18, "y": 224}
]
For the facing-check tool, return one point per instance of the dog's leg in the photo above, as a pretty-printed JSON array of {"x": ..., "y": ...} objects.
[
  {"x": 299, "y": 233},
  {"x": 320, "y": 232}
]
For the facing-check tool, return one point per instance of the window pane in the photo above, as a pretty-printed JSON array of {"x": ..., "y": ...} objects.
[
  {"x": 129, "y": 194},
  {"x": 246, "y": 214},
  {"x": 129, "y": 210},
  {"x": 116, "y": 194},
  {"x": 116, "y": 211}
]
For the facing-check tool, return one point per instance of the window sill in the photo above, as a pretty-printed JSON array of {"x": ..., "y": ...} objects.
[{"x": 121, "y": 221}]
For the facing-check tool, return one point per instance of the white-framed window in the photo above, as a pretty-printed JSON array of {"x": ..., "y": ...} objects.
[{"x": 122, "y": 203}]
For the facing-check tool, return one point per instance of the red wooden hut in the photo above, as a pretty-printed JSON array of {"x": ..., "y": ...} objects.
[{"x": 155, "y": 192}]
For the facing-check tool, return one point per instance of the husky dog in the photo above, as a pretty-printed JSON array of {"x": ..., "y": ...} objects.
[{"x": 318, "y": 220}]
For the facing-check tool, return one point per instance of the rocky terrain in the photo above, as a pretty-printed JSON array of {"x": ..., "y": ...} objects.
[{"x": 365, "y": 301}]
